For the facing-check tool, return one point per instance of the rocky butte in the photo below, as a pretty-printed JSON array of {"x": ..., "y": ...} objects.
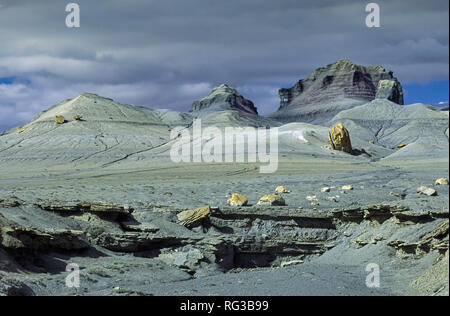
[
  {"x": 224, "y": 97},
  {"x": 336, "y": 87}
]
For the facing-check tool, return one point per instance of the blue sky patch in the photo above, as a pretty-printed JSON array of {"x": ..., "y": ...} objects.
[
  {"x": 7, "y": 80},
  {"x": 431, "y": 93}
]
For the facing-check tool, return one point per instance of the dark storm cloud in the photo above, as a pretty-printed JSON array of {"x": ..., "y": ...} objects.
[{"x": 169, "y": 53}]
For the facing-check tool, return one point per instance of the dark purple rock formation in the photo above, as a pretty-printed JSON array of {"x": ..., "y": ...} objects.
[
  {"x": 331, "y": 89},
  {"x": 224, "y": 98}
]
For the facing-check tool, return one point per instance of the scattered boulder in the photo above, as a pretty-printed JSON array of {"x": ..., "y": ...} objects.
[
  {"x": 401, "y": 145},
  {"x": 441, "y": 181},
  {"x": 190, "y": 217},
  {"x": 347, "y": 188},
  {"x": 325, "y": 189},
  {"x": 281, "y": 189},
  {"x": 237, "y": 200},
  {"x": 333, "y": 198},
  {"x": 426, "y": 191},
  {"x": 311, "y": 198},
  {"x": 78, "y": 117},
  {"x": 272, "y": 199},
  {"x": 21, "y": 130},
  {"x": 399, "y": 195},
  {"x": 59, "y": 119},
  {"x": 340, "y": 138}
]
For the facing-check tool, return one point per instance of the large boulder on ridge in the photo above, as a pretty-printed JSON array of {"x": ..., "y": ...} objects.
[
  {"x": 391, "y": 90},
  {"x": 340, "y": 138}
]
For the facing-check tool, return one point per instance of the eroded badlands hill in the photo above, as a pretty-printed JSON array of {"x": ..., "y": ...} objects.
[{"x": 336, "y": 87}]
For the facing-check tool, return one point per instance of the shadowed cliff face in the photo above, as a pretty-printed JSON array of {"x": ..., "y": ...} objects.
[
  {"x": 336, "y": 87},
  {"x": 224, "y": 98}
]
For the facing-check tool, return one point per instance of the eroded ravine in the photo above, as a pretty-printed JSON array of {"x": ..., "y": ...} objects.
[{"x": 230, "y": 238}]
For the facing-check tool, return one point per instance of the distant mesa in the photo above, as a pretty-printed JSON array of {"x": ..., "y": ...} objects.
[
  {"x": 222, "y": 98},
  {"x": 341, "y": 79},
  {"x": 441, "y": 106},
  {"x": 336, "y": 87}
]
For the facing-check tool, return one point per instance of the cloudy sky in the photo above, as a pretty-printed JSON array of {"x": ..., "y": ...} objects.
[{"x": 168, "y": 53}]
